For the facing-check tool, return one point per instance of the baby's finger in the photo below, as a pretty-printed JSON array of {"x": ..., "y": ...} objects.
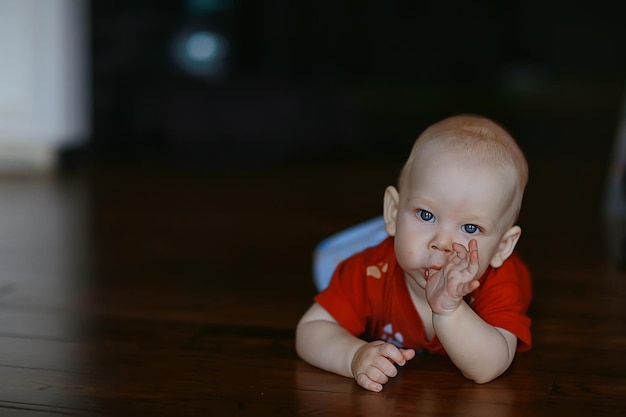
[
  {"x": 408, "y": 354},
  {"x": 376, "y": 375},
  {"x": 468, "y": 287},
  {"x": 473, "y": 256},
  {"x": 364, "y": 381},
  {"x": 461, "y": 251},
  {"x": 385, "y": 366},
  {"x": 460, "y": 254},
  {"x": 392, "y": 352}
]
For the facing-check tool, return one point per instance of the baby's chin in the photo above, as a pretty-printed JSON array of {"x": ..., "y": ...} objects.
[{"x": 417, "y": 280}]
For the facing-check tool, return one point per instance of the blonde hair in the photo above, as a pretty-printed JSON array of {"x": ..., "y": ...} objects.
[{"x": 479, "y": 138}]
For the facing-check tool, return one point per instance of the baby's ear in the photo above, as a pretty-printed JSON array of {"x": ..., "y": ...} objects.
[
  {"x": 506, "y": 246},
  {"x": 390, "y": 209}
]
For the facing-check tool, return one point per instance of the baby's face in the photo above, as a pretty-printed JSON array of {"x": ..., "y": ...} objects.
[{"x": 447, "y": 198}]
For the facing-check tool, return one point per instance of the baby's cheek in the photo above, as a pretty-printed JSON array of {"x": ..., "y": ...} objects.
[
  {"x": 407, "y": 246},
  {"x": 407, "y": 259}
]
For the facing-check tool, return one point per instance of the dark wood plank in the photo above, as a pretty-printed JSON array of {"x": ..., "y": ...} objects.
[{"x": 44, "y": 391}]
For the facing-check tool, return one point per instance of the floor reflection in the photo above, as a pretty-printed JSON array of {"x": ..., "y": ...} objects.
[
  {"x": 44, "y": 272},
  {"x": 321, "y": 393}
]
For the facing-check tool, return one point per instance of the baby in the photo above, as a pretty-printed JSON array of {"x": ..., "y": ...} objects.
[{"x": 447, "y": 279}]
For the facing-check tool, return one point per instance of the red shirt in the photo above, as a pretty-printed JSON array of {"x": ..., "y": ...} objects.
[{"x": 368, "y": 295}]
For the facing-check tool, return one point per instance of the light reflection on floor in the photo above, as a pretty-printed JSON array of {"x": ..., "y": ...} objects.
[{"x": 44, "y": 263}]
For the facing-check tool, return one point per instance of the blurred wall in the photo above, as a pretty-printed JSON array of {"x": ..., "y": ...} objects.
[
  {"x": 44, "y": 90},
  {"x": 303, "y": 81}
]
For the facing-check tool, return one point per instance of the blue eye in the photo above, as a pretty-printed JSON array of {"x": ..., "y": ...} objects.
[
  {"x": 426, "y": 215},
  {"x": 470, "y": 228}
]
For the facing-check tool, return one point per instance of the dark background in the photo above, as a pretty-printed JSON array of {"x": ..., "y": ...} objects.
[{"x": 316, "y": 81}]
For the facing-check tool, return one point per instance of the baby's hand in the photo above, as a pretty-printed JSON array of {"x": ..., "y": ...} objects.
[
  {"x": 373, "y": 364},
  {"x": 446, "y": 289}
]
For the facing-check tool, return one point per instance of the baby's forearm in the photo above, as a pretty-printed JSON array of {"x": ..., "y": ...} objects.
[
  {"x": 327, "y": 345},
  {"x": 481, "y": 351}
]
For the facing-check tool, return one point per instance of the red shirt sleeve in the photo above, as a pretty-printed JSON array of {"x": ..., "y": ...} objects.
[
  {"x": 503, "y": 298},
  {"x": 345, "y": 297}
]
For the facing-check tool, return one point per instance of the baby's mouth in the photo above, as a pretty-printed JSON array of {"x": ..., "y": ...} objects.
[{"x": 428, "y": 272}]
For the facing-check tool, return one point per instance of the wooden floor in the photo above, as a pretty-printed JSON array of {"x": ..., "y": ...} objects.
[{"x": 150, "y": 291}]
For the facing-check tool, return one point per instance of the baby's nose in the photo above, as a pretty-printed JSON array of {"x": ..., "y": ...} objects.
[
  {"x": 442, "y": 242},
  {"x": 441, "y": 248}
]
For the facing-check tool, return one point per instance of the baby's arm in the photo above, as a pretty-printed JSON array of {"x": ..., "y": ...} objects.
[
  {"x": 322, "y": 342},
  {"x": 482, "y": 352}
]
